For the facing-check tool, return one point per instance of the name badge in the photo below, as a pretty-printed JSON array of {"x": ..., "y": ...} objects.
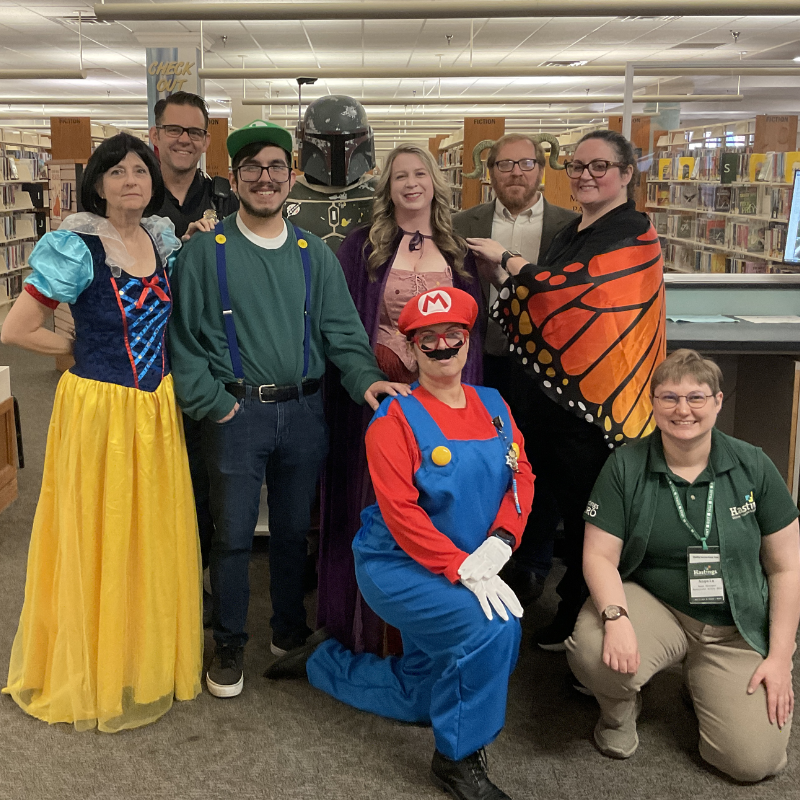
[{"x": 705, "y": 576}]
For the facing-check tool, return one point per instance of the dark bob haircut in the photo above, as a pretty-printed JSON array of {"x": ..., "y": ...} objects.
[{"x": 108, "y": 154}]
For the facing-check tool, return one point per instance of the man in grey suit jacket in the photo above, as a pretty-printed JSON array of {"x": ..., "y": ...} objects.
[{"x": 525, "y": 224}]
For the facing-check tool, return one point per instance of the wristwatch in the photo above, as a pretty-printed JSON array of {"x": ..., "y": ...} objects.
[
  {"x": 505, "y": 536},
  {"x": 611, "y": 613},
  {"x": 504, "y": 258}
]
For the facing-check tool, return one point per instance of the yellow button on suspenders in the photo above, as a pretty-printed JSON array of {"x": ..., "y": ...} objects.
[
  {"x": 220, "y": 238},
  {"x": 302, "y": 243},
  {"x": 515, "y": 448},
  {"x": 441, "y": 456}
]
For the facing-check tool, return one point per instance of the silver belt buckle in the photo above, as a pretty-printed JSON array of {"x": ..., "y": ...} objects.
[{"x": 265, "y": 386}]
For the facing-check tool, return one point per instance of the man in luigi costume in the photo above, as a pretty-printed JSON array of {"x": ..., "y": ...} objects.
[{"x": 260, "y": 306}]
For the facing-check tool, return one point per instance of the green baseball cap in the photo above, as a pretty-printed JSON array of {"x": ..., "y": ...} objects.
[{"x": 259, "y": 131}]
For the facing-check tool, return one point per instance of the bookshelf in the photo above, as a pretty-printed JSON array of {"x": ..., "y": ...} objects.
[
  {"x": 718, "y": 204},
  {"x": 451, "y": 162},
  {"x": 23, "y": 204}
]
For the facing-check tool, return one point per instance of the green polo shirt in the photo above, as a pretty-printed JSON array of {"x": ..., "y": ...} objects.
[{"x": 661, "y": 569}]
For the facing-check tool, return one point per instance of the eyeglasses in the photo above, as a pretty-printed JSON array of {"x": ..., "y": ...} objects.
[
  {"x": 250, "y": 173},
  {"x": 507, "y": 165},
  {"x": 597, "y": 168},
  {"x": 669, "y": 401},
  {"x": 429, "y": 341},
  {"x": 176, "y": 131}
]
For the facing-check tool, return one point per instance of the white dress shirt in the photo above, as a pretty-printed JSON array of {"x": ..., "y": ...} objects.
[{"x": 521, "y": 234}]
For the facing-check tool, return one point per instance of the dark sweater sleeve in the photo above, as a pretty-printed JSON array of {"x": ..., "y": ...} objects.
[
  {"x": 346, "y": 342},
  {"x": 198, "y": 392}
]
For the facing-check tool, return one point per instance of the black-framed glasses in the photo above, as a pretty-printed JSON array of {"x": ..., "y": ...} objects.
[
  {"x": 176, "y": 131},
  {"x": 507, "y": 165},
  {"x": 429, "y": 341},
  {"x": 250, "y": 173},
  {"x": 668, "y": 400},
  {"x": 597, "y": 168}
]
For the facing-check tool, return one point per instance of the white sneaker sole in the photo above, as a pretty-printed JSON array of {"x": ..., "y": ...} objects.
[
  {"x": 277, "y": 651},
  {"x": 225, "y": 689}
]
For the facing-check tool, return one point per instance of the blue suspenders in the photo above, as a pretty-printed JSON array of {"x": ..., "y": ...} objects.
[{"x": 227, "y": 311}]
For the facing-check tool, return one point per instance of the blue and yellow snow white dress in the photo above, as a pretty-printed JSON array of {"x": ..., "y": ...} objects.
[{"x": 111, "y": 627}]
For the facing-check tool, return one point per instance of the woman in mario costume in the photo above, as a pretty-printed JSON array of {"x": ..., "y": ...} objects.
[{"x": 453, "y": 489}]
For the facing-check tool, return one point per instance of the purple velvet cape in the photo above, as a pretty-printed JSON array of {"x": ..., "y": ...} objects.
[{"x": 346, "y": 485}]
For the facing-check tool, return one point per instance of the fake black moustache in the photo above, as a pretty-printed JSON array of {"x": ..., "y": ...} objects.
[{"x": 441, "y": 355}]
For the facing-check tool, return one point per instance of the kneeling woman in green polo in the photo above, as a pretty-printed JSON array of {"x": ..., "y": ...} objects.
[{"x": 692, "y": 556}]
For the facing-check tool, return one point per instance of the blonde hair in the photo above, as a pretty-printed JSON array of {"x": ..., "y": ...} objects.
[
  {"x": 384, "y": 229},
  {"x": 687, "y": 363}
]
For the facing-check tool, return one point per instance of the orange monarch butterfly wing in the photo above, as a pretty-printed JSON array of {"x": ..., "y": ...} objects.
[{"x": 594, "y": 332}]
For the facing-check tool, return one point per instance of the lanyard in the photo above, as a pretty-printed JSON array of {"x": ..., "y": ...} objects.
[{"x": 682, "y": 514}]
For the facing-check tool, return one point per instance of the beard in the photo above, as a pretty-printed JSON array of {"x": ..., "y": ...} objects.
[
  {"x": 517, "y": 202},
  {"x": 261, "y": 213}
]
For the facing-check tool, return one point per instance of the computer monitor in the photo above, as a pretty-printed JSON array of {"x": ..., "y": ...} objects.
[{"x": 792, "y": 252}]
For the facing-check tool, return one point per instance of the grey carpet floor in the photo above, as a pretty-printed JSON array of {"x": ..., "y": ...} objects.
[{"x": 288, "y": 741}]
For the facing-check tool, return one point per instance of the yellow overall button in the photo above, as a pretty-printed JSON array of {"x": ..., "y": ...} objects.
[
  {"x": 302, "y": 243},
  {"x": 220, "y": 238},
  {"x": 515, "y": 448},
  {"x": 441, "y": 456}
]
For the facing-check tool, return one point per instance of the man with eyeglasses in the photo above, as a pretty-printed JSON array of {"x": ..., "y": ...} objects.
[
  {"x": 260, "y": 307},
  {"x": 523, "y": 222},
  {"x": 180, "y": 138}
]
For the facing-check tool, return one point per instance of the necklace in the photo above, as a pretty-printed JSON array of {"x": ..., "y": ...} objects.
[{"x": 417, "y": 241}]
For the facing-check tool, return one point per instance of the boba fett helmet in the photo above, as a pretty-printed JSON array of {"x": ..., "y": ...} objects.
[{"x": 335, "y": 141}]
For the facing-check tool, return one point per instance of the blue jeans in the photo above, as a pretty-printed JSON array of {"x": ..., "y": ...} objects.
[{"x": 287, "y": 442}]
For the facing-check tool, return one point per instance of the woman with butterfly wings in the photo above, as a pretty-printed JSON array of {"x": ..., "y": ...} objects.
[
  {"x": 589, "y": 325},
  {"x": 408, "y": 248}
]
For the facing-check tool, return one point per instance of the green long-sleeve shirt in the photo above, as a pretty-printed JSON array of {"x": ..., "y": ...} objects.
[{"x": 267, "y": 291}]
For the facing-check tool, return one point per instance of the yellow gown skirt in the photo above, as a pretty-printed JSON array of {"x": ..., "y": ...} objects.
[{"x": 111, "y": 627}]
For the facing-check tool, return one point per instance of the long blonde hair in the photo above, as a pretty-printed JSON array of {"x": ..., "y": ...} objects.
[{"x": 384, "y": 229}]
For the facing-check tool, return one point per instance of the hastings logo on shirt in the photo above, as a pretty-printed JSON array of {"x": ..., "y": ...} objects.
[
  {"x": 749, "y": 507},
  {"x": 591, "y": 509}
]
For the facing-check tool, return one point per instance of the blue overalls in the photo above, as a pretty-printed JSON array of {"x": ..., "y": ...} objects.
[{"x": 456, "y": 664}]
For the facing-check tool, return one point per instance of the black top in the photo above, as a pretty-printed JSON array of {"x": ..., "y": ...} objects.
[{"x": 198, "y": 199}]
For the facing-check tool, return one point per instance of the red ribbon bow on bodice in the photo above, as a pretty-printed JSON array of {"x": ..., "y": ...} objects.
[{"x": 151, "y": 283}]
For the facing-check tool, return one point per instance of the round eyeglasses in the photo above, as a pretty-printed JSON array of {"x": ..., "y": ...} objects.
[
  {"x": 507, "y": 165},
  {"x": 668, "y": 401},
  {"x": 597, "y": 168},
  {"x": 429, "y": 341},
  {"x": 250, "y": 173},
  {"x": 176, "y": 131}
]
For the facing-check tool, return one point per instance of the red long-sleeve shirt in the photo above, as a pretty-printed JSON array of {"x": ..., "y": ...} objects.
[{"x": 394, "y": 457}]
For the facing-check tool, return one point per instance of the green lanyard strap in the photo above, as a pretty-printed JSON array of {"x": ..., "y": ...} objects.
[{"x": 682, "y": 514}]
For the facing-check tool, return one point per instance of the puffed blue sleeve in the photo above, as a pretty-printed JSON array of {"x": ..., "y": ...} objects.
[
  {"x": 62, "y": 266},
  {"x": 162, "y": 229}
]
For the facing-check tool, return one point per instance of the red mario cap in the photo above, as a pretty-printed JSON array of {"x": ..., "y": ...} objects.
[{"x": 438, "y": 305}]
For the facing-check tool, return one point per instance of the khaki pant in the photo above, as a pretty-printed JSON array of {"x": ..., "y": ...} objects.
[{"x": 735, "y": 733}]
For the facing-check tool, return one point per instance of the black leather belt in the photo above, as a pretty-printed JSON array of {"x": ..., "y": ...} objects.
[{"x": 269, "y": 393}]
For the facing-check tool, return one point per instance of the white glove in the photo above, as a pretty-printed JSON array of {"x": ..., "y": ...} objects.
[
  {"x": 493, "y": 593},
  {"x": 486, "y": 561}
]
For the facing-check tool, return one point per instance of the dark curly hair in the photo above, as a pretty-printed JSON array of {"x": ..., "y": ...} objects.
[{"x": 108, "y": 154}]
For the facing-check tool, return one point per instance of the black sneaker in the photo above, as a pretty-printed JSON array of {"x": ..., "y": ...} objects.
[
  {"x": 465, "y": 779},
  {"x": 225, "y": 676},
  {"x": 282, "y": 643},
  {"x": 553, "y": 637},
  {"x": 293, "y": 663}
]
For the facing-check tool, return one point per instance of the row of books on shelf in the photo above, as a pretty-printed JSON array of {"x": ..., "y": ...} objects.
[
  {"x": 726, "y": 166},
  {"x": 752, "y": 236},
  {"x": 487, "y": 193},
  {"x": 14, "y": 256},
  {"x": 23, "y": 166},
  {"x": 452, "y": 157},
  {"x": 683, "y": 258},
  {"x": 19, "y": 226},
  {"x": 11, "y": 287},
  {"x": 456, "y": 198},
  {"x": 762, "y": 201}
]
